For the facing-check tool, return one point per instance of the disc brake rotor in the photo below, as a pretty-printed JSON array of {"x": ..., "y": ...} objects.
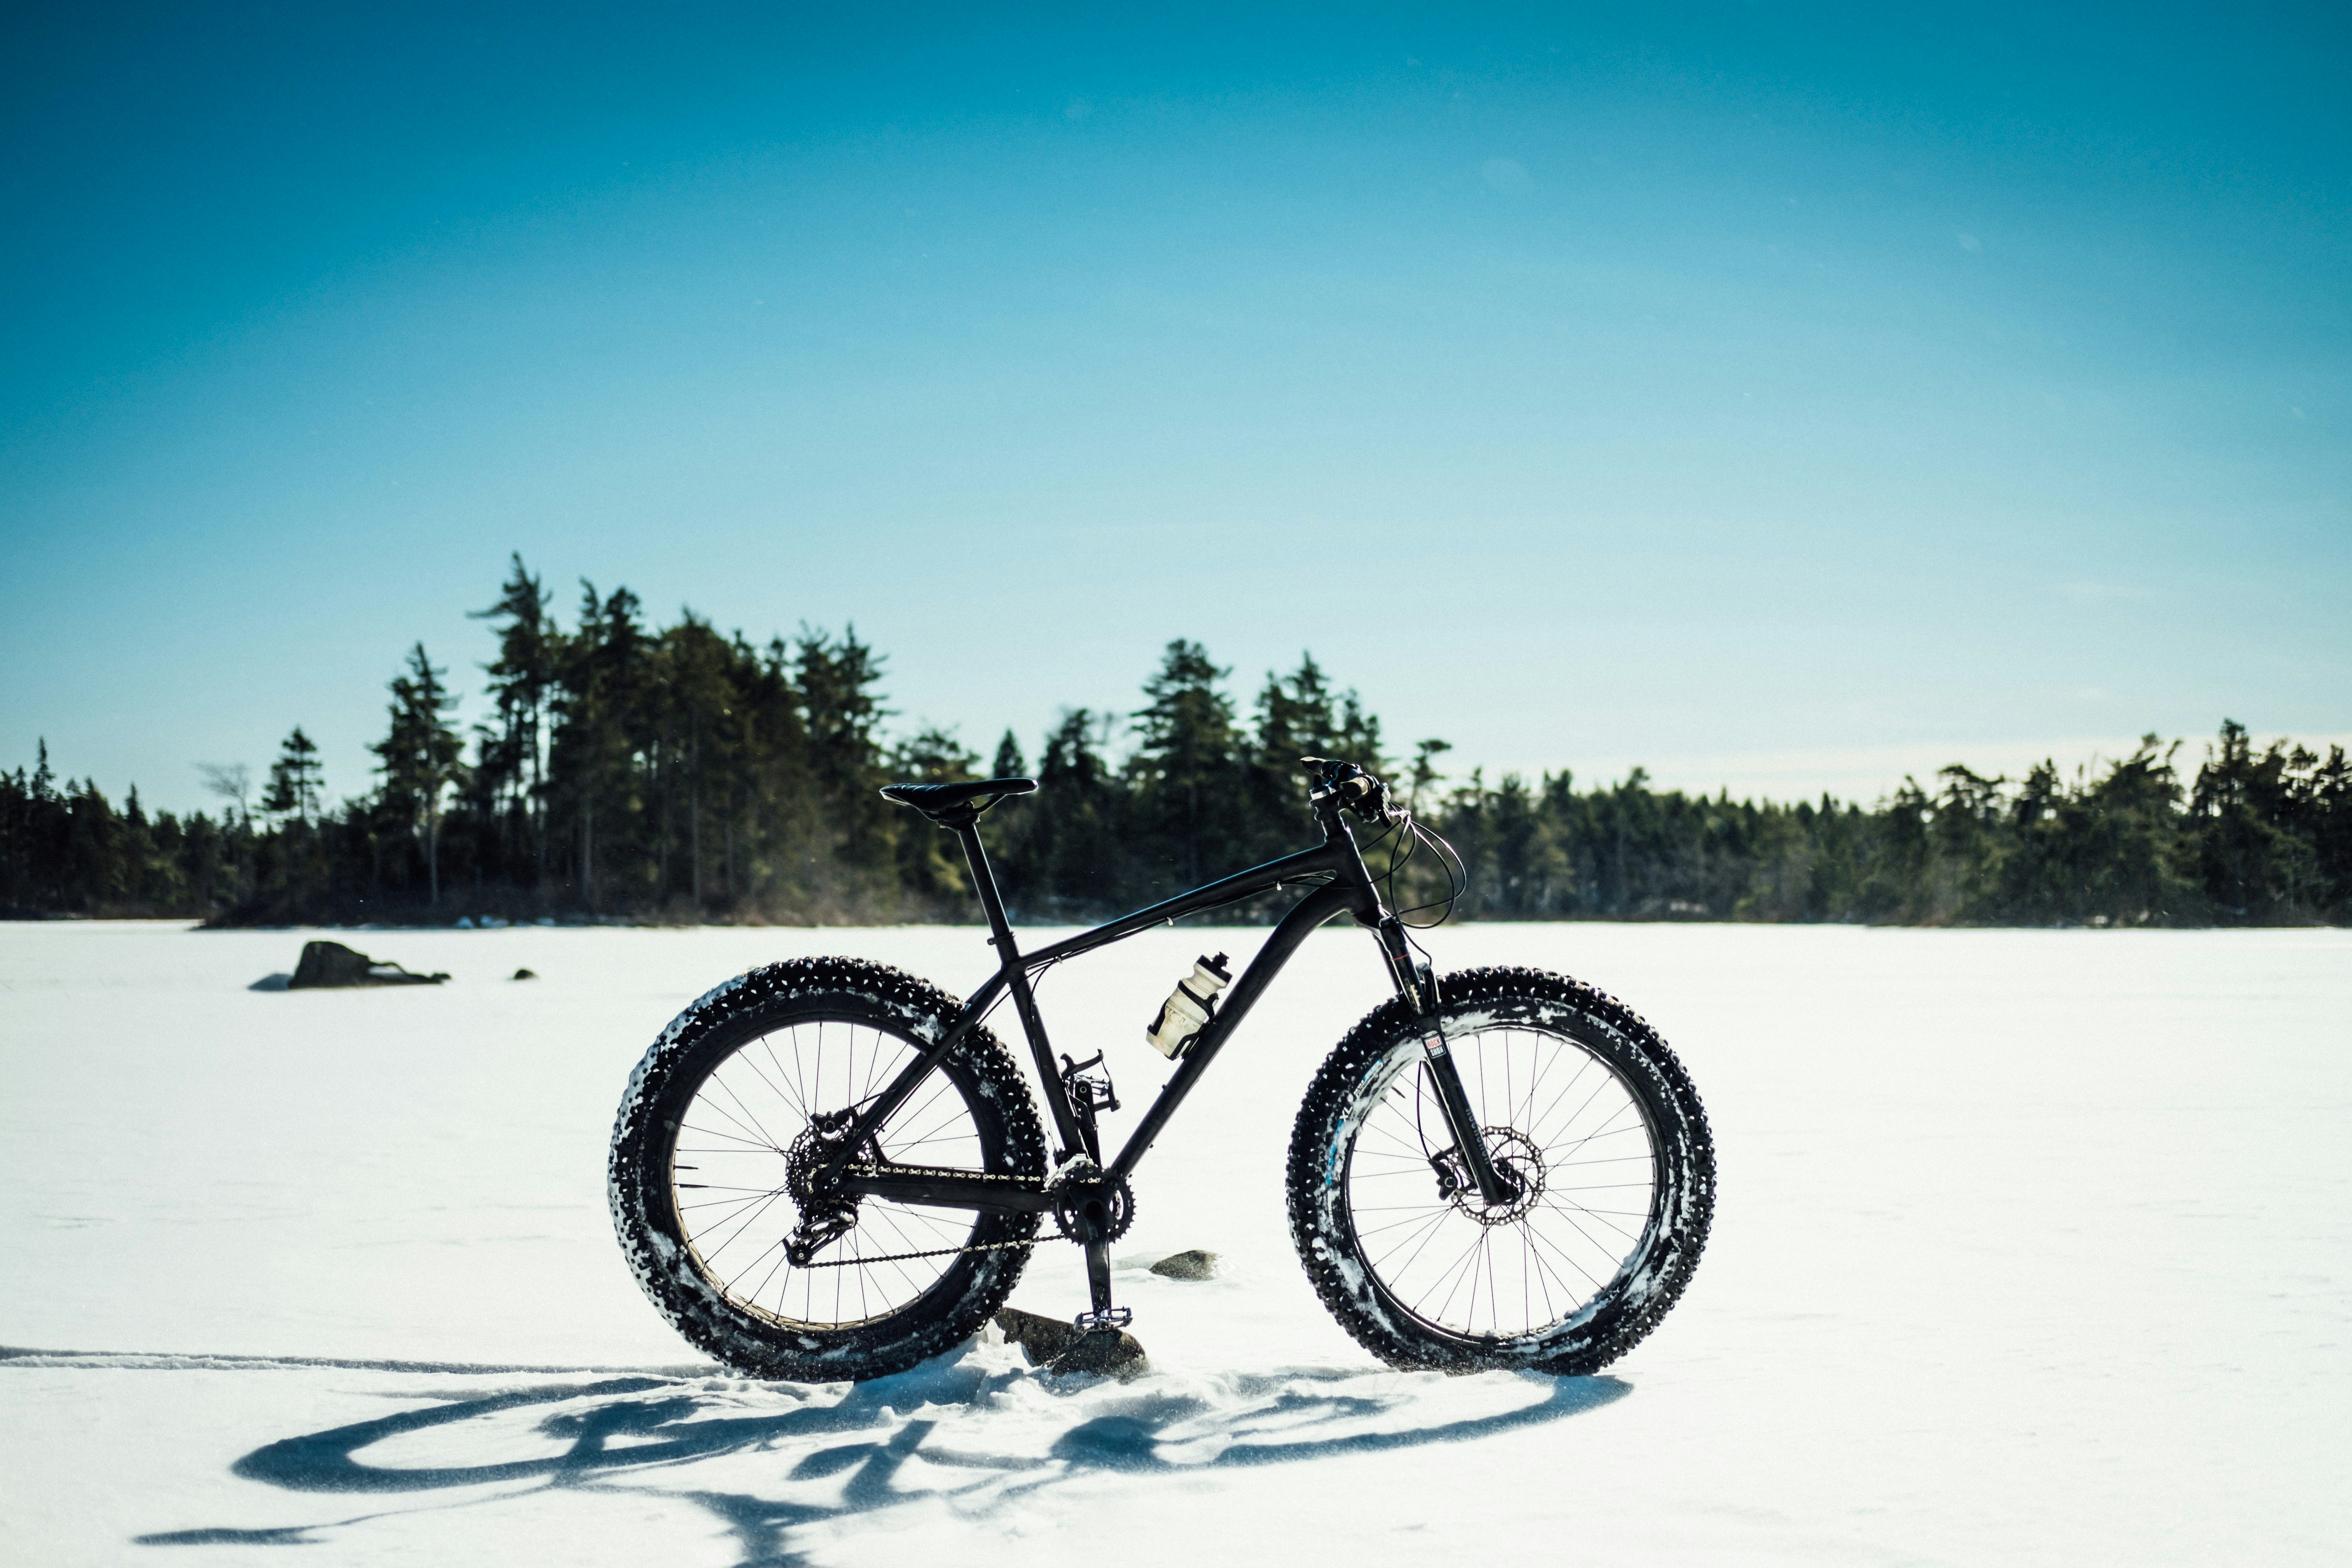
[{"x": 1515, "y": 1157}]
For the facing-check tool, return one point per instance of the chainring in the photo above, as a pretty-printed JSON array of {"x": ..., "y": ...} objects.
[{"x": 1081, "y": 1182}]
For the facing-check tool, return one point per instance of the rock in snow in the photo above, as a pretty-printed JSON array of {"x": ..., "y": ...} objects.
[
  {"x": 1059, "y": 1347},
  {"x": 1193, "y": 1265},
  {"x": 330, "y": 963}
]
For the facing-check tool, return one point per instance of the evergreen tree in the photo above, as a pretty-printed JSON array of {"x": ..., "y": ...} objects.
[
  {"x": 296, "y": 780},
  {"x": 837, "y": 686},
  {"x": 930, "y": 863},
  {"x": 592, "y": 760},
  {"x": 695, "y": 682},
  {"x": 1422, "y": 780},
  {"x": 293, "y": 866},
  {"x": 2255, "y": 850},
  {"x": 1069, "y": 854},
  {"x": 676, "y": 771},
  {"x": 1187, "y": 773},
  {"x": 513, "y": 771},
  {"x": 421, "y": 753}
]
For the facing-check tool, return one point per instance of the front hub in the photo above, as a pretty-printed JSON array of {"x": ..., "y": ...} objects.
[{"x": 1516, "y": 1160}]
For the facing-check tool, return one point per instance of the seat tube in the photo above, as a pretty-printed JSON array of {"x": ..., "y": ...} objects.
[{"x": 1016, "y": 980}]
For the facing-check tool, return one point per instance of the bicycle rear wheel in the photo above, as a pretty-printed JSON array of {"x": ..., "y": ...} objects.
[
  {"x": 714, "y": 1140},
  {"x": 1596, "y": 1129}
]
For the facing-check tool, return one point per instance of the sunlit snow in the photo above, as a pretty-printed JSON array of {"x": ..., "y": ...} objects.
[{"x": 2031, "y": 1248}]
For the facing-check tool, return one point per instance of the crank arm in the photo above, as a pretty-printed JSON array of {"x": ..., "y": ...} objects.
[{"x": 944, "y": 1191}]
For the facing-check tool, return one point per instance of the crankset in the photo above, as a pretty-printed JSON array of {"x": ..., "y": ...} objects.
[{"x": 1090, "y": 1203}]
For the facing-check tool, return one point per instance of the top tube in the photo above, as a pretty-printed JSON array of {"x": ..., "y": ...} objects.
[{"x": 1325, "y": 859}]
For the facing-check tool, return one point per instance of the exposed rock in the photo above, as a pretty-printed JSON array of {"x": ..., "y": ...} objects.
[
  {"x": 1108, "y": 1352},
  {"x": 526, "y": 974},
  {"x": 1194, "y": 1265},
  {"x": 330, "y": 963},
  {"x": 1059, "y": 1347}
]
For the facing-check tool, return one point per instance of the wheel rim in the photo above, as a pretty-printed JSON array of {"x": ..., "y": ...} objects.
[
  {"x": 1564, "y": 1126},
  {"x": 727, "y": 1172}
]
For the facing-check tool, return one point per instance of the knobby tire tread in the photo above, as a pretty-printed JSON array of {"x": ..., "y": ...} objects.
[
  {"x": 1319, "y": 1227},
  {"x": 701, "y": 1037}
]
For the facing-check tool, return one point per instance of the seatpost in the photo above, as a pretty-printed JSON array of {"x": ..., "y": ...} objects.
[{"x": 983, "y": 882}]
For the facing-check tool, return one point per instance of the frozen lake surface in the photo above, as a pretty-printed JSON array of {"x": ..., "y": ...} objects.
[{"x": 2033, "y": 1247}]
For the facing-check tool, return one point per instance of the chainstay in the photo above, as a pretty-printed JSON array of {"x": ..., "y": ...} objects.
[{"x": 1030, "y": 1183}]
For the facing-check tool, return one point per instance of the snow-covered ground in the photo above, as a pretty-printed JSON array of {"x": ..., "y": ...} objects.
[{"x": 2032, "y": 1247}]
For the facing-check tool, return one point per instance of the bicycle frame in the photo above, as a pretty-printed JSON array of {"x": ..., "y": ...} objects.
[{"x": 1349, "y": 889}]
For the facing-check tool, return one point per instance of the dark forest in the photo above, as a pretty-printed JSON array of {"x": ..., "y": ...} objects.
[{"x": 635, "y": 772}]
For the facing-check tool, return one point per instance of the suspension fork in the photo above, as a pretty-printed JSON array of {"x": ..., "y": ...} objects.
[{"x": 1416, "y": 983}]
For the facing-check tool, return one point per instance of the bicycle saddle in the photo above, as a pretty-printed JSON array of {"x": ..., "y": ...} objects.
[{"x": 943, "y": 801}]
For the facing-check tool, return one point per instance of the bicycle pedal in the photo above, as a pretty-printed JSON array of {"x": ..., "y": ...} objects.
[{"x": 1115, "y": 1318}]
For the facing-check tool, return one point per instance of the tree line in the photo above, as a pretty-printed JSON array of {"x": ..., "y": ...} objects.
[{"x": 633, "y": 772}]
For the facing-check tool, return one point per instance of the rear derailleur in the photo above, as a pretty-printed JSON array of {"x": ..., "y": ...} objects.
[{"x": 827, "y": 1213}]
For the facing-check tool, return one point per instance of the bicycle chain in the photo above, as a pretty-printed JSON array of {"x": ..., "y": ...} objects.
[
  {"x": 895, "y": 1170},
  {"x": 903, "y": 1257}
]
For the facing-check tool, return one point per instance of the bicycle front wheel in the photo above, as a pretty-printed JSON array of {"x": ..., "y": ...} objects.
[
  {"x": 1602, "y": 1140},
  {"x": 716, "y": 1130}
]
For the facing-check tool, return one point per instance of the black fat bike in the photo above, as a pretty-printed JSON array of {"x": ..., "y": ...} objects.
[{"x": 827, "y": 1169}]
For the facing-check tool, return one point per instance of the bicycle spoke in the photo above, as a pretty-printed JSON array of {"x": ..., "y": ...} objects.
[
  {"x": 755, "y": 1105},
  {"x": 1553, "y": 1114}
]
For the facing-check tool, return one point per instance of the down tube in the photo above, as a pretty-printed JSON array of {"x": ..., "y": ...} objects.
[{"x": 1308, "y": 913}]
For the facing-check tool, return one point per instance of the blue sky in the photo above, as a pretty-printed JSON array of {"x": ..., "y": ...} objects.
[{"x": 1785, "y": 397}]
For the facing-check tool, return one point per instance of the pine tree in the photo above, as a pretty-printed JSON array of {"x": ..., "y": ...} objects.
[
  {"x": 522, "y": 681},
  {"x": 930, "y": 863},
  {"x": 296, "y": 779},
  {"x": 421, "y": 752},
  {"x": 1187, "y": 773},
  {"x": 600, "y": 733},
  {"x": 1426, "y": 775},
  {"x": 1077, "y": 856},
  {"x": 694, "y": 679},
  {"x": 837, "y": 682}
]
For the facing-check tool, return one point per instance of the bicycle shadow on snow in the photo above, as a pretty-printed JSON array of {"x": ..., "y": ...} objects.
[{"x": 977, "y": 1430}]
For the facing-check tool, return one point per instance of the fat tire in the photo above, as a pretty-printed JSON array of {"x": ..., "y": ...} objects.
[
  {"x": 643, "y": 1202},
  {"x": 1632, "y": 1304}
]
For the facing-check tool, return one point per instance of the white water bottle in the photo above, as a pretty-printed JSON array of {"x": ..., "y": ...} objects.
[{"x": 1186, "y": 1012}]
